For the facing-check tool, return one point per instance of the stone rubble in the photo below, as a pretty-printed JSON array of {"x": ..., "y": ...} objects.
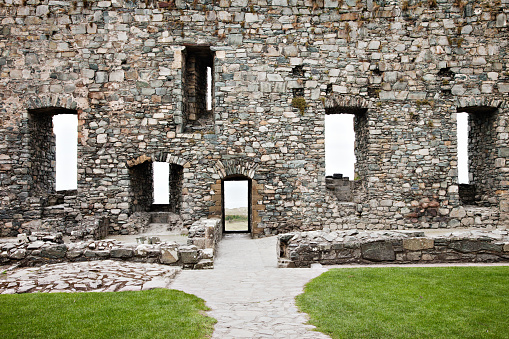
[{"x": 40, "y": 248}]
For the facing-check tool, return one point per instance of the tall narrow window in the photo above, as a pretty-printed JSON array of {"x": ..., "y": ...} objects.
[
  {"x": 478, "y": 174},
  {"x": 346, "y": 138},
  {"x": 340, "y": 145},
  {"x": 45, "y": 167},
  {"x": 209, "y": 88},
  {"x": 65, "y": 127},
  {"x": 462, "y": 130},
  {"x": 198, "y": 85}
]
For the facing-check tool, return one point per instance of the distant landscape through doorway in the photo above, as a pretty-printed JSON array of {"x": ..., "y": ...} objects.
[{"x": 236, "y": 205}]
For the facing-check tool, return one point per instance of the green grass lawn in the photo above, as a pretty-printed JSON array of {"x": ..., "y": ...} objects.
[
  {"x": 148, "y": 314},
  {"x": 431, "y": 302}
]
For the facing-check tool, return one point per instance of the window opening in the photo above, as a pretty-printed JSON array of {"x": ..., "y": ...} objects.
[
  {"x": 43, "y": 155},
  {"x": 209, "y": 88},
  {"x": 340, "y": 154},
  {"x": 165, "y": 184},
  {"x": 198, "y": 85},
  {"x": 236, "y": 206},
  {"x": 477, "y": 186},
  {"x": 462, "y": 139},
  {"x": 161, "y": 180},
  {"x": 65, "y": 128}
]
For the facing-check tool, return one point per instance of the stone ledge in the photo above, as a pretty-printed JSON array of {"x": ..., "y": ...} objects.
[{"x": 301, "y": 249}]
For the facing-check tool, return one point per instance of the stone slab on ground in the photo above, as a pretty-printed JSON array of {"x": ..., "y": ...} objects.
[{"x": 91, "y": 276}]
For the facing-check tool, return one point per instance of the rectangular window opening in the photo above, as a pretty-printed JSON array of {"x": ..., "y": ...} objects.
[
  {"x": 477, "y": 139},
  {"x": 462, "y": 139},
  {"x": 198, "y": 86},
  {"x": 340, "y": 156},
  {"x": 65, "y": 128}
]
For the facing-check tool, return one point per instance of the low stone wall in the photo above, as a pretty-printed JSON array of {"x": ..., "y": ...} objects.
[
  {"x": 302, "y": 249},
  {"x": 41, "y": 248}
]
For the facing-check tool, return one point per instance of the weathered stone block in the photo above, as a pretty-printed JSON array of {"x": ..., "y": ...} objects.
[
  {"x": 417, "y": 244},
  {"x": 378, "y": 251},
  {"x": 169, "y": 255},
  {"x": 19, "y": 253},
  {"x": 121, "y": 253},
  {"x": 189, "y": 254},
  {"x": 55, "y": 251}
]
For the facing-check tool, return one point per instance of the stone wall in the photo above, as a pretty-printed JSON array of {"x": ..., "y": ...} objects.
[
  {"x": 347, "y": 247},
  {"x": 404, "y": 68},
  {"x": 43, "y": 247}
]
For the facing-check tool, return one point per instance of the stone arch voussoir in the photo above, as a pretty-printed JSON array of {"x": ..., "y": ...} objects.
[
  {"x": 337, "y": 104},
  {"x": 472, "y": 101},
  {"x": 158, "y": 157},
  {"x": 226, "y": 168},
  {"x": 51, "y": 100}
]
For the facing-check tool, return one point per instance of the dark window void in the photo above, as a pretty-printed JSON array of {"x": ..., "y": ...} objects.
[
  {"x": 345, "y": 150},
  {"x": 198, "y": 85},
  {"x": 141, "y": 191},
  {"x": 156, "y": 187},
  {"x": 298, "y": 92},
  {"x": 236, "y": 204},
  {"x": 480, "y": 186},
  {"x": 298, "y": 70},
  {"x": 43, "y": 152}
]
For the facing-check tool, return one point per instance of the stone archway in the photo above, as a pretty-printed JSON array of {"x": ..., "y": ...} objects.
[{"x": 238, "y": 168}]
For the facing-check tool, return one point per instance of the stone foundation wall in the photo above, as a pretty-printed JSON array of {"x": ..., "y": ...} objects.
[
  {"x": 43, "y": 247},
  {"x": 347, "y": 247}
]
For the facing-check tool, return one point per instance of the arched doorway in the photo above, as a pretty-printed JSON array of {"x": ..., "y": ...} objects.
[{"x": 236, "y": 204}]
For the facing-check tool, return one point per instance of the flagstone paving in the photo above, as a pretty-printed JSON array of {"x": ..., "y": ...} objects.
[
  {"x": 248, "y": 295},
  {"x": 90, "y": 276}
]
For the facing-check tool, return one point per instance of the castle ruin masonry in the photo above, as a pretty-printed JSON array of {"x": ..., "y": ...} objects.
[{"x": 136, "y": 75}]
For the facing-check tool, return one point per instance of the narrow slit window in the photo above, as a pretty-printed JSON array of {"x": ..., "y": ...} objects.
[
  {"x": 462, "y": 140},
  {"x": 209, "y": 88}
]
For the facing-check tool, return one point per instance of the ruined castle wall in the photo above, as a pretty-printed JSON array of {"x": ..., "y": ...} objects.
[{"x": 410, "y": 66}]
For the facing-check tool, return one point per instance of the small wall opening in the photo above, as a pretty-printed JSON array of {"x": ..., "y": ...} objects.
[
  {"x": 141, "y": 180},
  {"x": 236, "y": 197},
  {"x": 477, "y": 173},
  {"x": 198, "y": 86},
  {"x": 345, "y": 148},
  {"x": 49, "y": 159}
]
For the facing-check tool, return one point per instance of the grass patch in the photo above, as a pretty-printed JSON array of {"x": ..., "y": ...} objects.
[
  {"x": 156, "y": 313},
  {"x": 432, "y": 302},
  {"x": 234, "y": 217}
]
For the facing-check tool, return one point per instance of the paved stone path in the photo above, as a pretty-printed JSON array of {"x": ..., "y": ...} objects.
[
  {"x": 248, "y": 295},
  {"x": 97, "y": 276}
]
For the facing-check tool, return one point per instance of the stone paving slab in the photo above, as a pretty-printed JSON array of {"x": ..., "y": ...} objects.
[
  {"x": 248, "y": 295},
  {"x": 90, "y": 276}
]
